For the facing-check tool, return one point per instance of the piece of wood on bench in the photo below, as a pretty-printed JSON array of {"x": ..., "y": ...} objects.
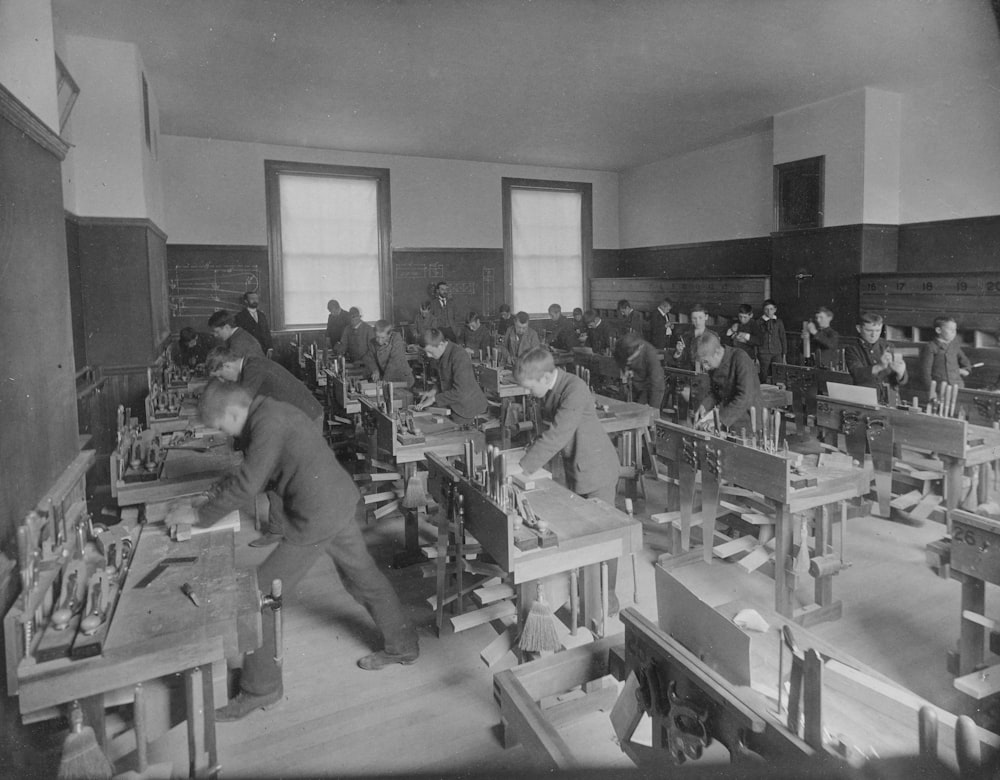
[
  {"x": 923, "y": 510},
  {"x": 755, "y": 558},
  {"x": 734, "y": 547},
  {"x": 906, "y": 500},
  {"x": 485, "y": 615},
  {"x": 489, "y": 594}
]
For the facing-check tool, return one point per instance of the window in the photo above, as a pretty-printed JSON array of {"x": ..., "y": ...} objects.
[
  {"x": 328, "y": 237},
  {"x": 548, "y": 243}
]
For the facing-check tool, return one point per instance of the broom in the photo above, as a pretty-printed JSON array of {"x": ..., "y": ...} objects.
[
  {"x": 539, "y": 632},
  {"x": 82, "y": 759},
  {"x": 416, "y": 491}
]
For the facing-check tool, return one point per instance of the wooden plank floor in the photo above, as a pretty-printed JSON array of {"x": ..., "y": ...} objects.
[{"x": 439, "y": 715}]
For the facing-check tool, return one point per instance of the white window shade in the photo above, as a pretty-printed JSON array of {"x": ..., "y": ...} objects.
[
  {"x": 329, "y": 246},
  {"x": 546, "y": 249}
]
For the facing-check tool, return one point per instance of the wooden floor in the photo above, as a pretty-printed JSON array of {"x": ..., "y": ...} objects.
[{"x": 439, "y": 715}]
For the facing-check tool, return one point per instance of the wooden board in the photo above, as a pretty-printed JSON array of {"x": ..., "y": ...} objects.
[
  {"x": 906, "y": 299},
  {"x": 718, "y": 642},
  {"x": 161, "y": 609}
]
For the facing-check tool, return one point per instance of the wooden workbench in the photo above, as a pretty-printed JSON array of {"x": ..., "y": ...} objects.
[
  {"x": 587, "y": 534},
  {"x": 385, "y": 447},
  {"x": 805, "y": 384},
  {"x": 785, "y": 492},
  {"x": 182, "y": 472},
  {"x": 959, "y": 444}
]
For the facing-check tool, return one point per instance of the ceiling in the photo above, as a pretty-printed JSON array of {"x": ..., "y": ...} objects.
[{"x": 591, "y": 84}]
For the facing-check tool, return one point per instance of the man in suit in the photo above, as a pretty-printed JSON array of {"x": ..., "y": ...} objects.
[
  {"x": 733, "y": 384},
  {"x": 459, "y": 390},
  {"x": 443, "y": 312},
  {"x": 385, "y": 359},
  {"x": 336, "y": 323},
  {"x": 354, "y": 342},
  {"x": 563, "y": 333},
  {"x": 661, "y": 324},
  {"x": 254, "y": 322},
  {"x": 284, "y": 448},
  {"x": 260, "y": 376},
  {"x": 872, "y": 362},
  {"x": 237, "y": 340}
]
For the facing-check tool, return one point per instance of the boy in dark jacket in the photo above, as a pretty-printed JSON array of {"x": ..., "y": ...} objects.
[
  {"x": 284, "y": 447},
  {"x": 385, "y": 359},
  {"x": 773, "y": 346}
]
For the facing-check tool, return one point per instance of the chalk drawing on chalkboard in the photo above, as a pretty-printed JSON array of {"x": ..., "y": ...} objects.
[
  {"x": 489, "y": 292},
  {"x": 435, "y": 270},
  {"x": 197, "y": 291},
  {"x": 411, "y": 271}
]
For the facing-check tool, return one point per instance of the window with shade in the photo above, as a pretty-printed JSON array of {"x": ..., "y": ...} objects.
[
  {"x": 548, "y": 238},
  {"x": 328, "y": 237}
]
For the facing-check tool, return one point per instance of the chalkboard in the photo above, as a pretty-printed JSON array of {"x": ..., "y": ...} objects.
[
  {"x": 475, "y": 279},
  {"x": 203, "y": 279},
  {"x": 196, "y": 291},
  {"x": 913, "y": 300}
]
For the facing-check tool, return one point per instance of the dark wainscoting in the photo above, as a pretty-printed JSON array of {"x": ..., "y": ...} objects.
[
  {"x": 736, "y": 257},
  {"x": 834, "y": 257},
  {"x": 960, "y": 245},
  {"x": 122, "y": 290},
  {"x": 38, "y": 427}
]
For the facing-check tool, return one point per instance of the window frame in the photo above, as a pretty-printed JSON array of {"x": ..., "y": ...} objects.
[
  {"x": 586, "y": 192},
  {"x": 273, "y": 169}
]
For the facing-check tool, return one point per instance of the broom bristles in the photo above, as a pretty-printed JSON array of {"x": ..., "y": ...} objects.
[
  {"x": 539, "y": 632},
  {"x": 416, "y": 492},
  {"x": 82, "y": 758}
]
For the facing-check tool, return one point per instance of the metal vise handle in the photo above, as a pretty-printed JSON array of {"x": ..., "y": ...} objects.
[{"x": 273, "y": 601}]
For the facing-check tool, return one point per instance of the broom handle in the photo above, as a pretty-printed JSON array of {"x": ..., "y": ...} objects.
[
  {"x": 574, "y": 600},
  {"x": 604, "y": 596},
  {"x": 140, "y": 728}
]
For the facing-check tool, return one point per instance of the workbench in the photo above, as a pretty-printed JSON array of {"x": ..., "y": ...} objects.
[
  {"x": 806, "y": 384},
  {"x": 628, "y": 425},
  {"x": 180, "y": 471},
  {"x": 784, "y": 488},
  {"x": 685, "y": 389},
  {"x": 972, "y": 557},
  {"x": 151, "y": 629},
  {"x": 500, "y": 388},
  {"x": 959, "y": 444},
  {"x": 697, "y": 679},
  {"x": 386, "y": 448},
  {"x": 584, "y": 534}
]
